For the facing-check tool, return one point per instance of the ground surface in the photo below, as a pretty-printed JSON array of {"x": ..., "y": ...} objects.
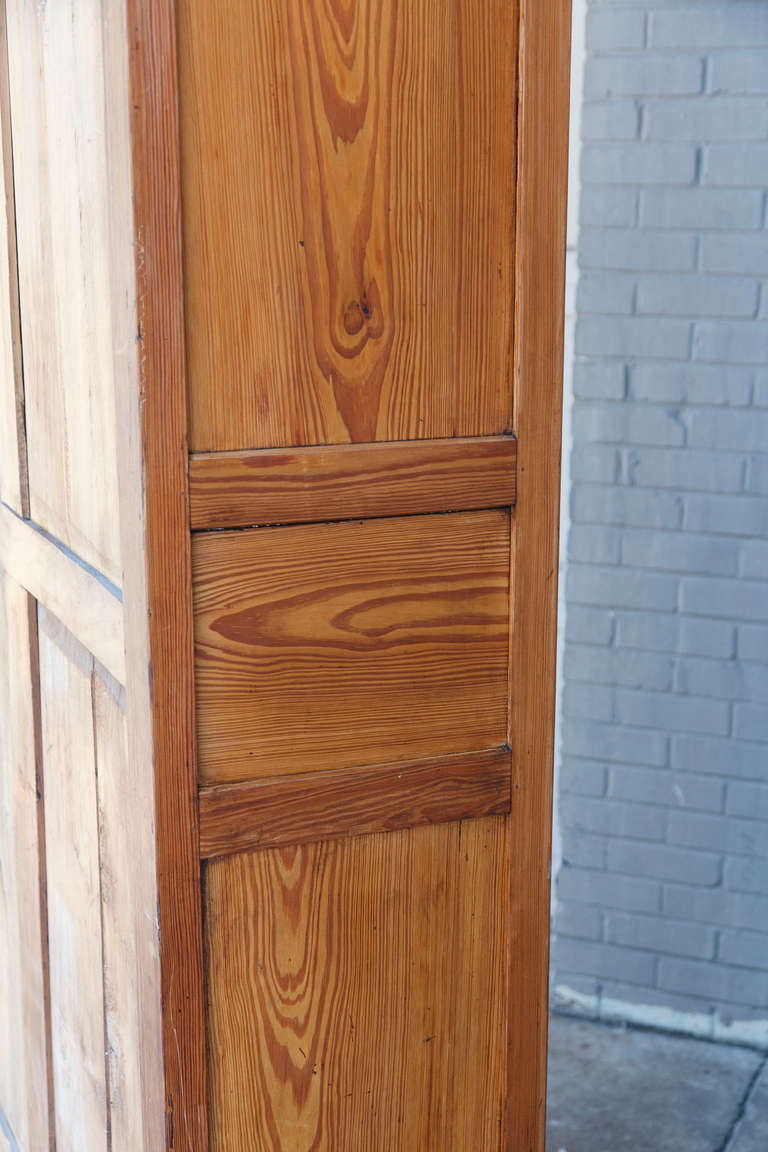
[{"x": 626, "y": 1090}]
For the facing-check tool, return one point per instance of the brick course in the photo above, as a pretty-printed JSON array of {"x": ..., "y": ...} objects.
[{"x": 662, "y": 895}]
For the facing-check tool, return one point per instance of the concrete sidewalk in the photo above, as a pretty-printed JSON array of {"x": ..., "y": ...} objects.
[{"x": 627, "y": 1090}]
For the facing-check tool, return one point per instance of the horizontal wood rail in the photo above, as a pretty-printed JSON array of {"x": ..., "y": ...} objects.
[
  {"x": 353, "y": 801},
  {"x": 70, "y": 591},
  {"x": 350, "y": 481}
]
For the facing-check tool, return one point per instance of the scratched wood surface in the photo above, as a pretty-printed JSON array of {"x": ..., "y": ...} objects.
[
  {"x": 348, "y": 209},
  {"x": 23, "y": 1067},
  {"x": 356, "y": 993},
  {"x": 360, "y": 642}
]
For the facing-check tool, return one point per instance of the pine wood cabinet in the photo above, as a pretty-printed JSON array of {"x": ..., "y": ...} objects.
[{"x": 280, "y": 355}]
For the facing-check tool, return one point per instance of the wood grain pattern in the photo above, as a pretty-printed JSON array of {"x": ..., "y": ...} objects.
[
  {"x": 129, "y": 874},
  {"x": 354, "y": 801},
  {"x": 356, "y": 993},
  {"x": 167, "y": 598},
  {"x": 14, "y": 488},
  {"x": 543, "y": 138},
  {"x": 348, "y": 192},
  {"x": 123, "y": 935},
  {"x": 237, "y": 489},
  {"x": 23, "y": 1063},
  {"x": 62, "y": 209},
  {"x": 89, "y": 609},
  {"x": 33, "y": 611},
  {"x": 74, "y": 892},
  {"x": 336, "y": 645}
]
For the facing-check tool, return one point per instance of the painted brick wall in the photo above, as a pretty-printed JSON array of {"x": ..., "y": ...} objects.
[{"x": 662, "y": 895}]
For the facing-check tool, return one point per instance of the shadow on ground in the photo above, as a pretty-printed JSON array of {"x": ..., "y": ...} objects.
[{"x": 628, "y": 1090}]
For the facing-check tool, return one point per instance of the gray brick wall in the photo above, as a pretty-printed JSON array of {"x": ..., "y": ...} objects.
[{"x": 662, "y": 895}]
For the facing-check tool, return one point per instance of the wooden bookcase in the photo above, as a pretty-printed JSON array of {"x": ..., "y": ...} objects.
[{"x": 281, "y": 288}]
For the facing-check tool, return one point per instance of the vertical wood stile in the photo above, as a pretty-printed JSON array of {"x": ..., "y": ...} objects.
[
  {"x": 133, "y": 987},
  {"x": 46, "y": 1095},
  {"x": 14, "y": 486},
  {"x": 157, "y": 233},
  {"x": 24, "y": 1023},
  {"x": 542, "y": 190}
]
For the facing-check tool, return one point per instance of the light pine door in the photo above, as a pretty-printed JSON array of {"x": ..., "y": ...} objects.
[{"x": 371, "y": 227}]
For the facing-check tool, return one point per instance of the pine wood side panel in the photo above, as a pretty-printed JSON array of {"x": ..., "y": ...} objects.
[
  {"x": 74, "y": 892},
  {"x": 543, "y": 140},
  {"x": 353, "y": 802},
  {"x": 236, "y": 489},
  {"x": 126, "y": 770},
  {"x": 23, "y": 1064},
  {"x": 360, "y": 642},
  {"x": 161, "y": 362},
  {"x": 356, "y": 993},
  {"x": 122, "y": 913},
  {"x": 57, "y": 85},
  {"x": 13, "y": 447},
  {"x": 348, "y": 219}
]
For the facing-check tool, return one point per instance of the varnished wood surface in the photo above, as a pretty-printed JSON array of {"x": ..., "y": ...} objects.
[
  {"x": 359, "y": 642},
  {"x": 57, "y": 90},
  {"x": 348, "y": 193},
  {"x": 356, "y": 993},
  {"x": 544, "y": 84},
  {"x": 343, "y": 482},
  {"x": 354, "y": 801},
  {"x": 161, "y": 388}
]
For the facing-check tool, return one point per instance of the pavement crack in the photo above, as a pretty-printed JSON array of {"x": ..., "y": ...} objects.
[{"x": 727, "y": 1141}]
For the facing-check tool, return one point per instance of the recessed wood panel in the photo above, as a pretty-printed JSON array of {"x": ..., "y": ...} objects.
[
  {"x": 120, "y": 910},
  {"x": 362, "y": 642},
  {"x": 74, "y": 892},
  {"x": 348, "y": 209},
  {"x": 356, "y": 993},
  {"x": 60, "y": 169}
]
